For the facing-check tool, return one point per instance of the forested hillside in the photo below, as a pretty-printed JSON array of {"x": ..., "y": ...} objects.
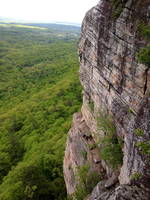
[{"x": 39, "y": 92}]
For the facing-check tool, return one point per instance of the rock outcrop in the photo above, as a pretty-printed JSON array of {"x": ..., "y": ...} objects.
[{"x": 116, "y": 85}]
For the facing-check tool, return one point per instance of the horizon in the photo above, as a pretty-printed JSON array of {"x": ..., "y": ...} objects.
[
  {"x": 18, "y": 21},
  {"x": 31, "y": 11}
]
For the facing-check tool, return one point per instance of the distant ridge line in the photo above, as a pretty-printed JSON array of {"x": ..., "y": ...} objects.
[{"x": 8, "y": 20}]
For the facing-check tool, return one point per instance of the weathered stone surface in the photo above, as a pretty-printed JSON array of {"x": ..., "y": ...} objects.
[
  {"x": 116, "y": 83},
  {"x": 73, "y": 155},
  {"x": 80, "y": 150},
  {"x": 123, "y": 192}
]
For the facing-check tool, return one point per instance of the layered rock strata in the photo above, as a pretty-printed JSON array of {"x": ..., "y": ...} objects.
[{"x": 115, "y": 83}]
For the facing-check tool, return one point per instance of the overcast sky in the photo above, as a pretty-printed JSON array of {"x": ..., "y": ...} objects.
[{"x": 46, "y": 10}]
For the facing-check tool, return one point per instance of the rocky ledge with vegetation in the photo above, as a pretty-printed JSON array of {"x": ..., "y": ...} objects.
[{"x": 107, "y": 154}]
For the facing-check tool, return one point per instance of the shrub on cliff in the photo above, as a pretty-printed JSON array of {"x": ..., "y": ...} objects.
[
  {"x": 144, "y": 53},
  {"x": 87, "y": 181},
  {"x": 144, "y": 56},
  {"x": 144, "y": 30},
  {"x": 117, "y": 8},
  {"x": 110, "y": 149}
]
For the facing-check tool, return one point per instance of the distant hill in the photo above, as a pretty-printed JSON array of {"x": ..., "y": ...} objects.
[{"x": 11, "y": 20}]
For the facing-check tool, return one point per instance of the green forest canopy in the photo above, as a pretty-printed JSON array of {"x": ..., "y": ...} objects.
[{"x": 39, "y": 92}]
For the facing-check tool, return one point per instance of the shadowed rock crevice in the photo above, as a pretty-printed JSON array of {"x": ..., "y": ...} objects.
[{"x": 146, "y": 77}]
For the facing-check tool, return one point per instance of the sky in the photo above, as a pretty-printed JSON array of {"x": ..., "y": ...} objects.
[{"x": 46, "y": 10}]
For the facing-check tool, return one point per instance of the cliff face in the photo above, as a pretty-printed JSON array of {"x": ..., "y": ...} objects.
[{"x": 116, "y": 91}]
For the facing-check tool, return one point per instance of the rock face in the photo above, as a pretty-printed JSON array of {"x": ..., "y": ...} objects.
[{"x": 115, "y": 83}]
